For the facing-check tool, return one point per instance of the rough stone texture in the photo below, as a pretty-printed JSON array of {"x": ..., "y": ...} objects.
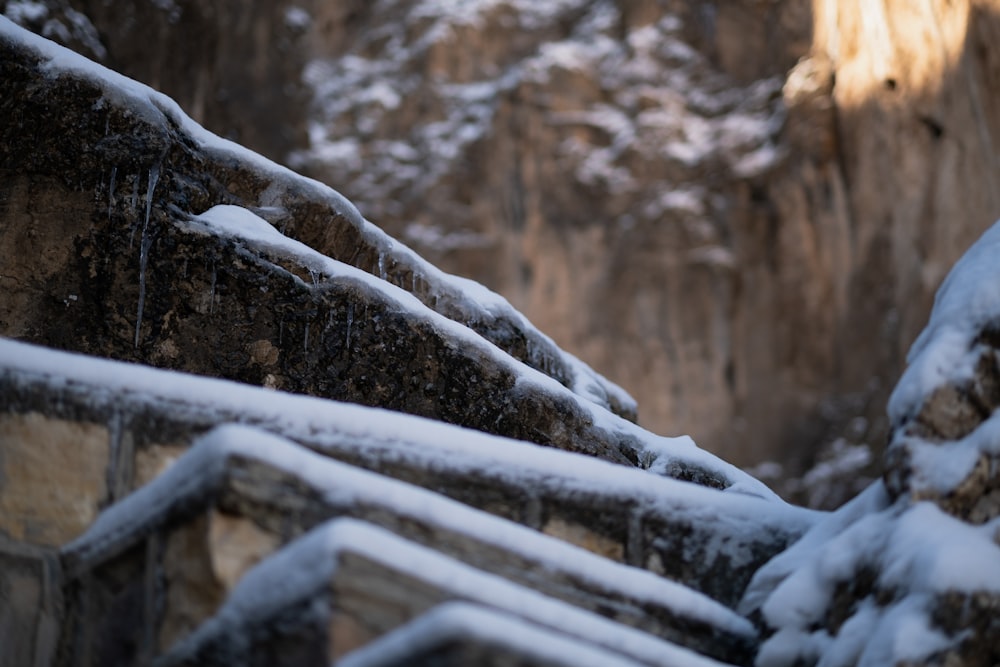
[
  {"x": 671, "y": 536},
  {"x": 773, "y": 307},
  {"x": 133, "y": 286},
  {"x": 952, "y": 415},
  {"x": 356, "y": 596},
  {"x": 103, "y": 196},
  {"x": 53, "y": 477},
  {"x": 924, "y": 539},
  {"x": 29, "y": 618},
  {"x": 150, "y": 171},
  {"x": 214, "y": 532}
]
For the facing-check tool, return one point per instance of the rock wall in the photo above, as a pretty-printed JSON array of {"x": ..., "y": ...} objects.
[
  {"x": 892, "y": 171},
  {"x": 153, "y": 516},
  {"x": 747, "y": 244},
  {"x": 129, "y": 535}
]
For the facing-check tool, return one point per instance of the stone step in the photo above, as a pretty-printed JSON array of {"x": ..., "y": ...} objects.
[
  {"x": 239, "y": 494},
  {"x": 459, "y": 634},
  {"x": 347, "y": 583},
  {"x": 105, "y": 428}
]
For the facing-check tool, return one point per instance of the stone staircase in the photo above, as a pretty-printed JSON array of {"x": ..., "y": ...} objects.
[
  {"x": 554, "y": 539},
  {"x": 205, "y": 472}
]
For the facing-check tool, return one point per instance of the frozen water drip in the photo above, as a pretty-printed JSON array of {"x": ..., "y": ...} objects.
[{"x": 144, "y": 245}]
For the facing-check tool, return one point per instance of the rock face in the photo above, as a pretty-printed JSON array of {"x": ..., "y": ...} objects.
[
  {"x": 135, "y": 235},
  {"x": 227, "y": 486},
  {"x": 779, "y": 228},
  {"x": 137, "y": 281},
  {"x": 920, "y": 549}
]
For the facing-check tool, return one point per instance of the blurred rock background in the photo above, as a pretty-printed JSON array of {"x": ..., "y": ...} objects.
[{"x": 738, "y": 210}]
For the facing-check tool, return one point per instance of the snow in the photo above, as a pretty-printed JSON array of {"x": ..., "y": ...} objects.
[
  {"x": 461, "y": 621},
  {"x": 203, "y": 466},
  {"x": 440, "y": 238},
  {"x": 916, "y": 552},
  {"x": 156, "y": 108},
  {"x": 379, "y": 435},
  {"x": 941, "y": 467},
  {"x": 307, "y": 566},
  {"x": 245, "y": 226},
  {"x": 297, "y": 18},
  {"x": 25, "y": 11},
  {"x": 968, "y": 299},
  {"x": 946, "y": 353}
]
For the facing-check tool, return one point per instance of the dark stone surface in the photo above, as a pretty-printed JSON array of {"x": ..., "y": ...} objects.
[{"x": 96, "y": 276}]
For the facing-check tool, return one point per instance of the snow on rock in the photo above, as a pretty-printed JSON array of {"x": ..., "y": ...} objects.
[
  {"x": 663, "y": 103},
  {"x": 966, "y": 305},
  {"x": 874, "y": 592},
  {"x": 663, "y": 455},
  {"x": 945, "y": 442},
  {"x": 306, "y": 568},
  {"x": 203, "y": 466},
  {"x": 460, "y": 299},
  {"x": 909, "y": 571},
  {"x": 371, "y": 433},
  {"x": 462, "y": 622}
]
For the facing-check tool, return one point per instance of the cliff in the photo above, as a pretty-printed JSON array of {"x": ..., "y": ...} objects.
[
  {"x": 240, "y": 424},
  {"x": 738, "y": 210}
]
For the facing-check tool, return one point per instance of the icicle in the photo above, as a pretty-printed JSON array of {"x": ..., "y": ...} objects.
[
  {"x": 381, "y": 266},
  {"x": 111, "y": 192},
  {"x": 133, "y": 205},
  {"x": 144, "y": 245},
  {"x": 143, "y": 258},
  {"x": 154, "y": 175},
  {"x": 114, "y": 472}
]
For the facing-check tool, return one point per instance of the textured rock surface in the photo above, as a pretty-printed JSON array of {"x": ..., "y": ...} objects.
[
  {"x": 713, "y": 542},
  {"x": 124, "y": 275},
  {"x": 775, "y": 226},
  {"x": 113, "y": 252},
  {"x": 207, "y": 529},
  {"x": 919, "y": 551},
  {"x": 779, "y": 230}
]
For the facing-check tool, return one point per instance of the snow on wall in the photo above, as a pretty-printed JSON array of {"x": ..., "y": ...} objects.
[
  {"x": 307, "y": 566},
  {"x": 157, "y": 109},
  {"x": 967, "y": 302},
  {"x": 375, "y": 433},
  {"x": 876, "y": 582},
  {"x": 915, "y": 554},
  {"x": 462, "y": 621},
  {"x": 343, "y": 485}
]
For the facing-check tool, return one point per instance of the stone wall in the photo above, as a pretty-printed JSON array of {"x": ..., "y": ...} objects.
[{"x": 762, "y": 307}]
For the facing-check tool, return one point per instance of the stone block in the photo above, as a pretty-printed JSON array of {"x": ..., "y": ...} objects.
[
  {"x": 28, "y": 605},
  {"x": 240, "y": 494},
  {"x": 353, "y": 583},
  {"x": 618, "y": 511},
  {"x": 53, "y": 476}
]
